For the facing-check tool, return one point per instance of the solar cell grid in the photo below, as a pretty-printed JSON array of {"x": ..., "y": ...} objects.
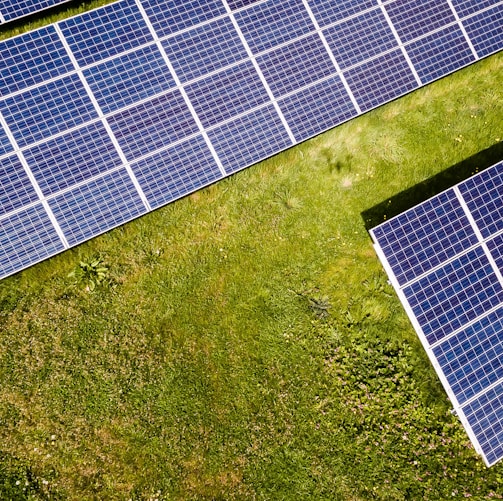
[
  {"x": 176, "y": 171},
  {"x": 485, "y": 31},
  {"x": 495, "y": 246},
  {"x": 328, "y": 11},
  {"x": 293, "y": 66},
  {"x": 440, "y": 53},
  {"x": 204, "y": 49},
  {"x": 466, "y": 7},
  {"x": 30, "y": 59},
  {"x": 272, "y": 23},
  {"x": 129, "y": 78},
  {"x": 5, "y": 145},
  {"x": 46, "y": 110},
  {"x": 360, "y": 38},
  {"x": 14, "y": 9},
  {"x": 16, "y": 189}
]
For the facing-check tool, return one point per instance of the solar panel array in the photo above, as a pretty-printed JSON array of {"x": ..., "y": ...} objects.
[
  {"x": 14, "y": 9},
  {"x": 115, "y": 112},
  {"x": 445, "y": 260}
]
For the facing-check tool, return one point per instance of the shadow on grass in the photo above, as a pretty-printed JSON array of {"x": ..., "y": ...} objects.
[{"x": 432, "y": 186}]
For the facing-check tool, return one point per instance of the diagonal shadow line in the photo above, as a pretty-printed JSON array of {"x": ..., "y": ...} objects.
[{"x": 432, "y": 186}]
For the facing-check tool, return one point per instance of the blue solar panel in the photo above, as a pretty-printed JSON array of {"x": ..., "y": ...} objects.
[
  {"x": 293, "y": 66},
  {"x": 176, "y": 171},
  {"x": 467, "y": 7},
  {"x": 414, "y": 18},
  {"x": 485, "y": 31},
  {"x": 249, "y": 138},
  {"x": 205, "y": 49},
  {"x": 445, "y": 259},
  {"x": 440, "y": 53},
  {"x": 14, "y": 9},
  {"x": 97, "y": 206},
  {"x": 271, "y": 23},
  {"x": 129, "y": 78},
  {"x": 360, "y": 38}
]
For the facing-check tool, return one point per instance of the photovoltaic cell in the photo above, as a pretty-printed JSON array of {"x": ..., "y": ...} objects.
[
  {"x": 144, "y": 128},
  {"x": 5, "y": 145},
  {"x": 483, "y": 197},
  {"x": 292, "y": 66},
  {"x": 27, "y": 237},
  {"x": 98, "y": 34},
  {"x": 176, "y": 171},
  {"x": 238, "y": 4},
  {"x": 440, "y": 53},
  {"x": 204, "y": 49},
  {"x": 271, "y": 23},
  {"x": 129, "y": 78},
  {"x": 360, "y": 38},
  {"x": 226, "y": 94},
  {"x": 456, "y": 302},
  {"x": 16, "y": 189},
  {"x": 97, "y": 206},
  {"x": 328, "y": 11},
  {"x": 317, "y": 108},
  {"x": 414, "y": 18},
  {"x": 381, "y": 79},
  {"x": 72, "y": 158},
  {"x": 249, "y": 138},
  {"x": 485, "y": 31},
  {"x": 14, "y": 9},
  {"x": 32, "y": 58},
  {"x": 46, "y": 110}
]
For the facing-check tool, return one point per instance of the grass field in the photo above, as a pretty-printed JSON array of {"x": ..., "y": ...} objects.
[{"x": 244, "y": 342}]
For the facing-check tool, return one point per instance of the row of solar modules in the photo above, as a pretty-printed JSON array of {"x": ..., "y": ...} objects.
[
  {"x": 14, "y": 9},
  {"x": 445, "y": 259},
  {"x": 123, "y": 109}
]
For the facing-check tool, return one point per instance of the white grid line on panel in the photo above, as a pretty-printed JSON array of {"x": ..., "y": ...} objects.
[
  {"x": 259, "y": 72},
  {"x": 462, "y": 28},
  {"x": 123, "y": 158},
  {"x": 399, "y": 41},
  {"x": 181, "y": 88},
  {"x": 468, "y": 213},
  {"x": 2, "y": 19},
  {"x": 34, "y": 183},
  {"x": 332, "y": 57}
]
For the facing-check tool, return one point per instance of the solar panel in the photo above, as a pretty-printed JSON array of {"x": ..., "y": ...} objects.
[
  {"x": 445, "y": 259},
  {"x": 122, "y": 109},
  {"x": 14, "y": 9}
]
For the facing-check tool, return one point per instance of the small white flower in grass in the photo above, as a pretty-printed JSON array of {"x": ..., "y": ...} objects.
[
  {"x": 45, "y": 482},
  {"x": 17, "y": 482}
]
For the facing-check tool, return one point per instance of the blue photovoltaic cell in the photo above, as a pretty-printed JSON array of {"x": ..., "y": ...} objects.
[
  {"x": 48, "y": 109},
  {"x": 98, "y": 34},
  {"x": 170, "y": 16},
  {"x": 292, "y": 66},
  {"x": 425, "y": 236},
  {"x": 226, "y": 94},
  {"x": 204, "y": 49},
  {"x": 380, "y": 80},
  {"x": 176, "y": 171},
  {"x": 317, "y": 108},
  {"x": 359, "y": 38},
  {"x": 459, "y": 292},
  {"x": 97, "y": 206},
  {"x": 495, "y": 246},
  {"x": 14, "y": 9},
  {"x": 414, "y": 18},
  {"x": 483, "y": 194},
  {"x": 16, "y": 189},
  {"x": 129, "y": 78},
  {"x": 5, "y": 145},
  {"x": 472, "y": 359},
  {"x": 26, "y": 237},
  {"x": 153, "y": 124},
  {"x": 249, "y": 138},
  {"x": 485, "y": 31},
  {"x": 328, "y": 11},
  {"x": 238, "y": 4},
  {"x": 31, "y": 58},
  {"x": 72, "y": 158},
  {"x": 485, "y": 416},
  {"x": 467, "y": 7},
  {"x": 271, "y": 23},
  {"x": 440, "y": 53}
]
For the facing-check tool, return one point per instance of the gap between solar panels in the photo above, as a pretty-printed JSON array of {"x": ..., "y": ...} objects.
[
  {"x": 444, "y": 258},
  {"x": 118, "y": 111}
]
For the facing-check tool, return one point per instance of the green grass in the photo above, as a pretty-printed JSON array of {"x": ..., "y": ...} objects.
[{"x": 245, "y": 343}]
